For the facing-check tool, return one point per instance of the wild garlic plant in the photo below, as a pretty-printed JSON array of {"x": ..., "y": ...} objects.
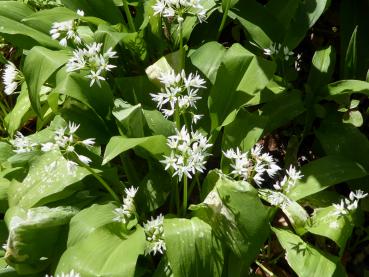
[
  {"x": 67, "y": 31},
  {"x": 179, "y": 95},
  {"x": 350, "y": 204},
  {"x": 92, "y": 59},
  {"x": 12, "y": 78},
  {"x": 128, "y": 208},
  {"x": 154, "y": 232},
  {"x": 252, "y": 165},
  {"x": 278, "y": 51},
  {"x": 178, "y": 9}
]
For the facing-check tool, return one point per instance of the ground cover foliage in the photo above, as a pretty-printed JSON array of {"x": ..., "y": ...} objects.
[{"x": 184, "y": 138}]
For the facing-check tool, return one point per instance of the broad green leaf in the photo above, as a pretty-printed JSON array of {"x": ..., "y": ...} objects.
[
  {"x": 353, "y": 117},
  {"x": 156, "y": 145},
  {"x": 345, "y": 140},
  {"x": 39, "y": 65},
  {"x": 231, "y": 89},
  {"x": 15, "y": 10},
  {"x": 325, "y": 223},
  {"x": 322, "y": 67},
  {"x": 88, "y": 220},
  {"x": 48, "y": 180},
  {"x": 227, "y": 209},
  {"x": 158, "y": 124},
  {"x": 303, "y": 258},
  {"x": 325, "y": 172},
  {"x": 6, "y": 151},
  {"x": 341, "y": 88},
  {"x": 351, "y": 62},
  {"x": 24, "y": 36},
  {"x": 100, "y": 99},
  {"x": 4, "y": 186},
  {"x": 283, "y": 109},
  {"x": 104, "y": 252},
  {"x": 208, "y": 58},
  {"x": 35, "y": 236},
  {"x": 245, "y": 137},
  {"x": 192, "y": 249},
  {"x": 17, "y": 116},
  {"x": 105, "y": 10},
  {"x": 283, "y": 11}
]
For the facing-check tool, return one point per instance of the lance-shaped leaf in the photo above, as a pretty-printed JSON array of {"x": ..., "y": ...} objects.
[
  {"x": 305, "y": 259},
  {"x": 35, "y": 236},
  {"x": 236, "y": 214},
  {"x": 39, "y": 65},
  {"x": 49, "y": 179},
  {"x": 191, "y": 248}
]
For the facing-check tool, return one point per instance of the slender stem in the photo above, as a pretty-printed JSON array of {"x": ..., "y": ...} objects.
[
  {"x": 177, "y": 198},
  {"x": 224, "y": 18},
  {"x": 265, "y": 269},
  {"x": 129, "y": 16},
  {"x": 177, "y": 118},
  {"x": 185, "y": 185},
  {"x": 181, "y": 49},
  {"x": 101, "y": 180}
]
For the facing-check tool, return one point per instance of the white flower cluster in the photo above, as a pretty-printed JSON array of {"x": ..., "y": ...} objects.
[
  {"x": 179, "y": 93},
  {"x": 72, "y": 273},
  {"x": 252, "y": 165},
  {"x": 66, "y": 31},
  {"x": 22, "y": 144},
  {"x": 289, "y": 180},
  {"x": 64, "y": 139},
  {"x": 278, "y": 199},
  {"x": 178, "y": 9},
  {"x": 92, "y": 58},
  {"x": 277, "y": 50},
  {"x": 12, "y": 78},
  {"x": 189, "y": 152},
  {"x": 349, "y": 204},
  {"x": 127, "y": 210},
  {"x": 154, "y": 231}
]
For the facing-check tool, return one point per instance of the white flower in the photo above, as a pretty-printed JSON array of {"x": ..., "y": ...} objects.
[
  {"x": 88, "y": 142},
  {"x": 22, "y": 144},
  {"x": 65, "y": 31},
  {"x": 358, "y": 194},
  {"x": 84, "y": 159},
  {"x": 95, "y": 77},
  {"x": 49, "y": 146},
  {"x": 80, "y": 12},
  {"x": 154, "y": 231},
  {"x": 179, "y": 9},
  {"x": 72, "y": 273},
  {"x": 73, "y": 127},
  {"x": 189, "y": 153},
  {"x": 349, "y": 204},
  {"x": 125, "y": 212},
  {"x": 12, "y": 78},
  {"x": 277, "y": 50}
]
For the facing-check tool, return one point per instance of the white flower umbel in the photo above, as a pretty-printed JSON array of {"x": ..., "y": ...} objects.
[
  {"x": 179, "y": 93},
  {"x": 72, "y": 273},
  {"x": 350, "y": 204},
  {"x": 93, "y": 60},
  {"x": 128, "y": 209},
  {"x": 289, "y": 180},
  {"x": 189, "y": 153},
  {"x": 154, "y": 231},
  {"x": 278, "y": 51},
  {"x": 12, "y": 78},
  {"x": 22, "y": 144},
  {"x": 67, "y": 31},
  {"x": 252, "y": 165},
  {"x": 179, "y": 9}
]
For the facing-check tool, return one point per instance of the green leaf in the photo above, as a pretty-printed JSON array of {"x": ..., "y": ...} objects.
[
  {"x": 322, "y": 68},
  {"x": 345, "y": 140},
  {"x": 156, "y": 145},
  {"x": 226, "y": 208},
  {"x": 104, "y": 252},
  {"x": 39, "y": 65},
  {"x": 192, "y": 249},
  {"x": 15, "y": 10},
  {"x": 233, "y": 87},
  {"x": 353, "y": 117},
  {"x": 341, "y": 88},
  {"x": 325, "y": 223},
  {"x": 325, "y": 172},
  {"x": 350, "y": 68},
  {"x": 208, "y": 58},
  {"x": 35, "y": 236},
  {"x": 48, "y": 180},
  {"x": 252, "y": 128},
  {"x": 88, "y": 220},
  {"x": 303, "y": 258}
]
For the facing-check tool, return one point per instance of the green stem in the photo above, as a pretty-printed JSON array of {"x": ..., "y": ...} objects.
[
  {"x": 265, "y": 269},
  {"x": 177, "y": 198},
  {"x": 185, "y": 185},
  {"x": 177, "y": 118},
  {"x": 224, "y": 18},
  {"x": 181, "y": 49},
  {"x": 101, "y": 180},
  {"x": 129, "y": 16}
]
